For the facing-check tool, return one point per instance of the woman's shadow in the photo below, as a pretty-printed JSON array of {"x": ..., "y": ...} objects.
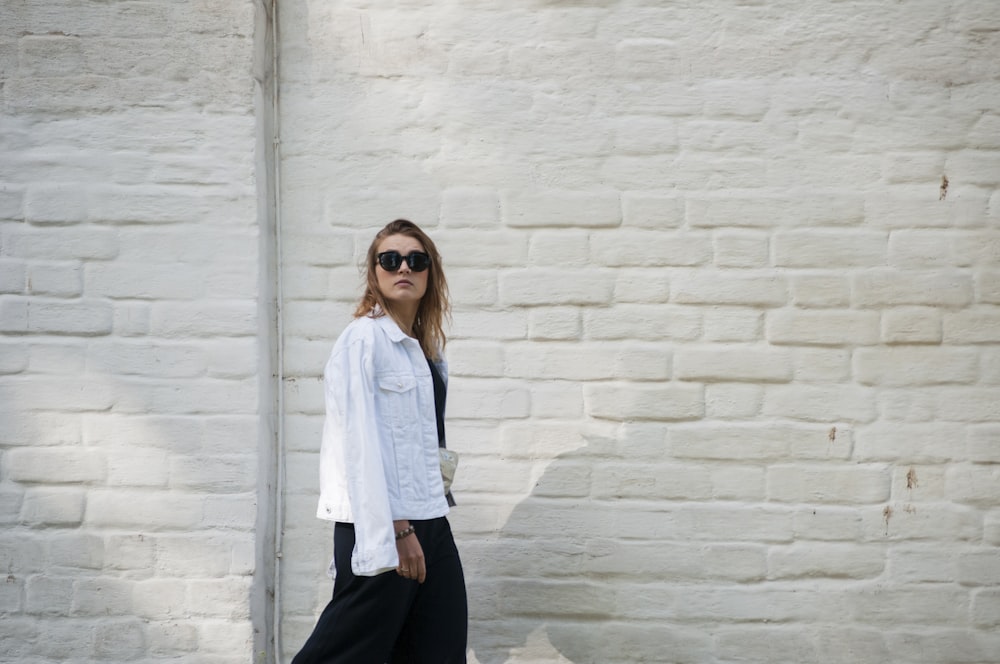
[{"x": 571, "y": 576}]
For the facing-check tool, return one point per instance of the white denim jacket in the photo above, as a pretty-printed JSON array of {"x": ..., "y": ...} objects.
[{"x": 379, "y": 457}]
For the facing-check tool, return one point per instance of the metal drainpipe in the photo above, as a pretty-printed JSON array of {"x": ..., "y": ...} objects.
[{"x": 279, "y": 500}]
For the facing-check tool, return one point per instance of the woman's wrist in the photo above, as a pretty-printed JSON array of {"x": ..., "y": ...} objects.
[{"x": 402, "y": 528}]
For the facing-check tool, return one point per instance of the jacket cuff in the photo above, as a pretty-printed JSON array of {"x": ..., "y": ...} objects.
[{"x": 375, "y": 561}]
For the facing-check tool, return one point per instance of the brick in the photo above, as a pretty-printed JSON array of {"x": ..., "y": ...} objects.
[
  {"x": 487, "y": 399},
  {"x": 146, "y": 510},
  {"x": 471, "y": 324},
  {"x": 131, "y": 319},
  {"x": 911, "y": 366},
  {"x": 231, "y": 512},
  {"x": 972, "y": 326},
  {"x": 13, "y": 277},
  {"x": 987, "y": 283},
  {"x": 910, "y": 443},
  {"x": 825, "y": 560},
  {"x": 821, "y": 249},
  {"x": 119, "y": 640},
  {"x": 767, "y": 644},
  {"x": 819, "y": 290},
  {"x": 654, "y": 211},
  {"x": 645, "y": 135},
  {"x": 560, "y": 209},
  {"x": 818, "y": 364},
  {"x": 733, "y": 363},
  {"x": 767, "y": 212},
  {"x": 651, "y": 482},
  {"x": 485, "y": 249},
  {"x": 848, "y": 644},
  {"x": 933, "y": 522},
  {"x": 516, "y": 440},
  {"x": 159, "y": 599},
  {"x": 645, "y": 322},
  {"x": 48, "y": 595},
  {"x": 75, "y": 551},
  {"x": 470, "y": 207},
  {"x": 754, "y": 442},
  {"x": 55, "y": 280},
  {"x": 641, "y": 402},
  {"x": 986, "y": 607},
  {"x": 732, "y": 324},
  {"x": 148, "y": 282},
  {"x": 978, "y": 568},
  {"x": 983, "y": 443},
  {"x": 642, "y": 286},
  {"x": 557, "y": 287},
  {"x": 924, "y": 564},
  {"x": 896, "y": 211},
  {"x": 102, "y": 597},
  {"x": 62, "y": 243},
  {"x": 723, "y": 287},
  {"x": 41, "y": 316},
  {"x": 823, "y": 328},
  {"x": 230, "y": 474},
  {"x": 56, "y": 204},
  {"x": 741, "y": 249},
  {"x": 76, "y": 465},
  {"x": 52, "y": 508},
  {"x": 828, "y": 484},
  {"x": 11, "y": 499},
  {"x": 827, "y": 523},
  {"x": 235, "y": 359},
  {"x": 12, "y": 361},
  {"x": 650, "y": 249},
  {"x": 731, "y": 562},
  {"x": 922, "y": 605},
  {"x": 11, "y": 198},
  {"x": 909, "y": 167},
  {"x": 480, "y": 290},
  {"x": 818, "y": 403},
  {"x": 912, "y": 325},
  {"x": 942, "y": 248},
  {"x": 732, "y": 400},
  {"x": 977, "y": 167},
  {"x": 219, "y": 598},
  {"x": 146, "y": 359},
  {"x": 965, "y": 403},
  {"x": 972, "y": 484},
  {"x": 554, "y": 323},
  {"x": 203, "y": 319}
]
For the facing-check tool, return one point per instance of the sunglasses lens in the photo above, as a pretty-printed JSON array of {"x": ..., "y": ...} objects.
[
  {"x": 418, "y": 262},
  {"x": 390, "y": 260}
]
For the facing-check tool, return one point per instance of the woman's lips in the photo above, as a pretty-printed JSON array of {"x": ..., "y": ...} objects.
[{"x": 404, "y": 282}]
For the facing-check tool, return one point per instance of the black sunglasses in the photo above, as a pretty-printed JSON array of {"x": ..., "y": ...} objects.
[{"x": 393, "y": 260}]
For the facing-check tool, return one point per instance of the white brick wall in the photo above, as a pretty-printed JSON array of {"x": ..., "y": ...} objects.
[
  {"x": 725, "y": 362},
  {"x": 726, "y": 352},
  {"x": 129, "y": 312}
]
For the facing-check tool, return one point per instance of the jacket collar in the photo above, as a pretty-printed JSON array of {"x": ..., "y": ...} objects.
[{"x": 386, "y": 323}]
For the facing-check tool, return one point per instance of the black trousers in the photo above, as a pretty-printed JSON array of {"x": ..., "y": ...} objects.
[{"x": 387, "y": 619}]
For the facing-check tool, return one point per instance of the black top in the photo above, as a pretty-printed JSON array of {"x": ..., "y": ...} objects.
[{"x": 440, "y": 396}]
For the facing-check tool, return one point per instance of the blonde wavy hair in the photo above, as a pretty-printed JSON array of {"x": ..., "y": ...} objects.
[{"x": 434, "y": 309}]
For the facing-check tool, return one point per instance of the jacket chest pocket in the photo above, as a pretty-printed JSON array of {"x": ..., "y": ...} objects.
[{"x": 398, "y": 394}]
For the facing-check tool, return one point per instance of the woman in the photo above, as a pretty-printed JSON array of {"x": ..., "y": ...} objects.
[{"x": 399, "y": 592}]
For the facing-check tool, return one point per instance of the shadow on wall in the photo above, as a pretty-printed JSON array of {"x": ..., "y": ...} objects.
[{"x": 573, "y": 575}]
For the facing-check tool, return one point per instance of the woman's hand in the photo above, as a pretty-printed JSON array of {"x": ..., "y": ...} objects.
[{"x": 411, "y": 555}]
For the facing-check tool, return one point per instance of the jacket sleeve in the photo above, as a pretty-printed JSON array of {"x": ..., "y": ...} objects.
[{"x": 349, "y": 386}]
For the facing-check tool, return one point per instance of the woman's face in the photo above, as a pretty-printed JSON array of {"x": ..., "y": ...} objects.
[{"x": 404, "y": 287}]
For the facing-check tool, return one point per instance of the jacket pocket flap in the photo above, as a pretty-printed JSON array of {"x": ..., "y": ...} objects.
[{"x": 397, "y": 383}]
